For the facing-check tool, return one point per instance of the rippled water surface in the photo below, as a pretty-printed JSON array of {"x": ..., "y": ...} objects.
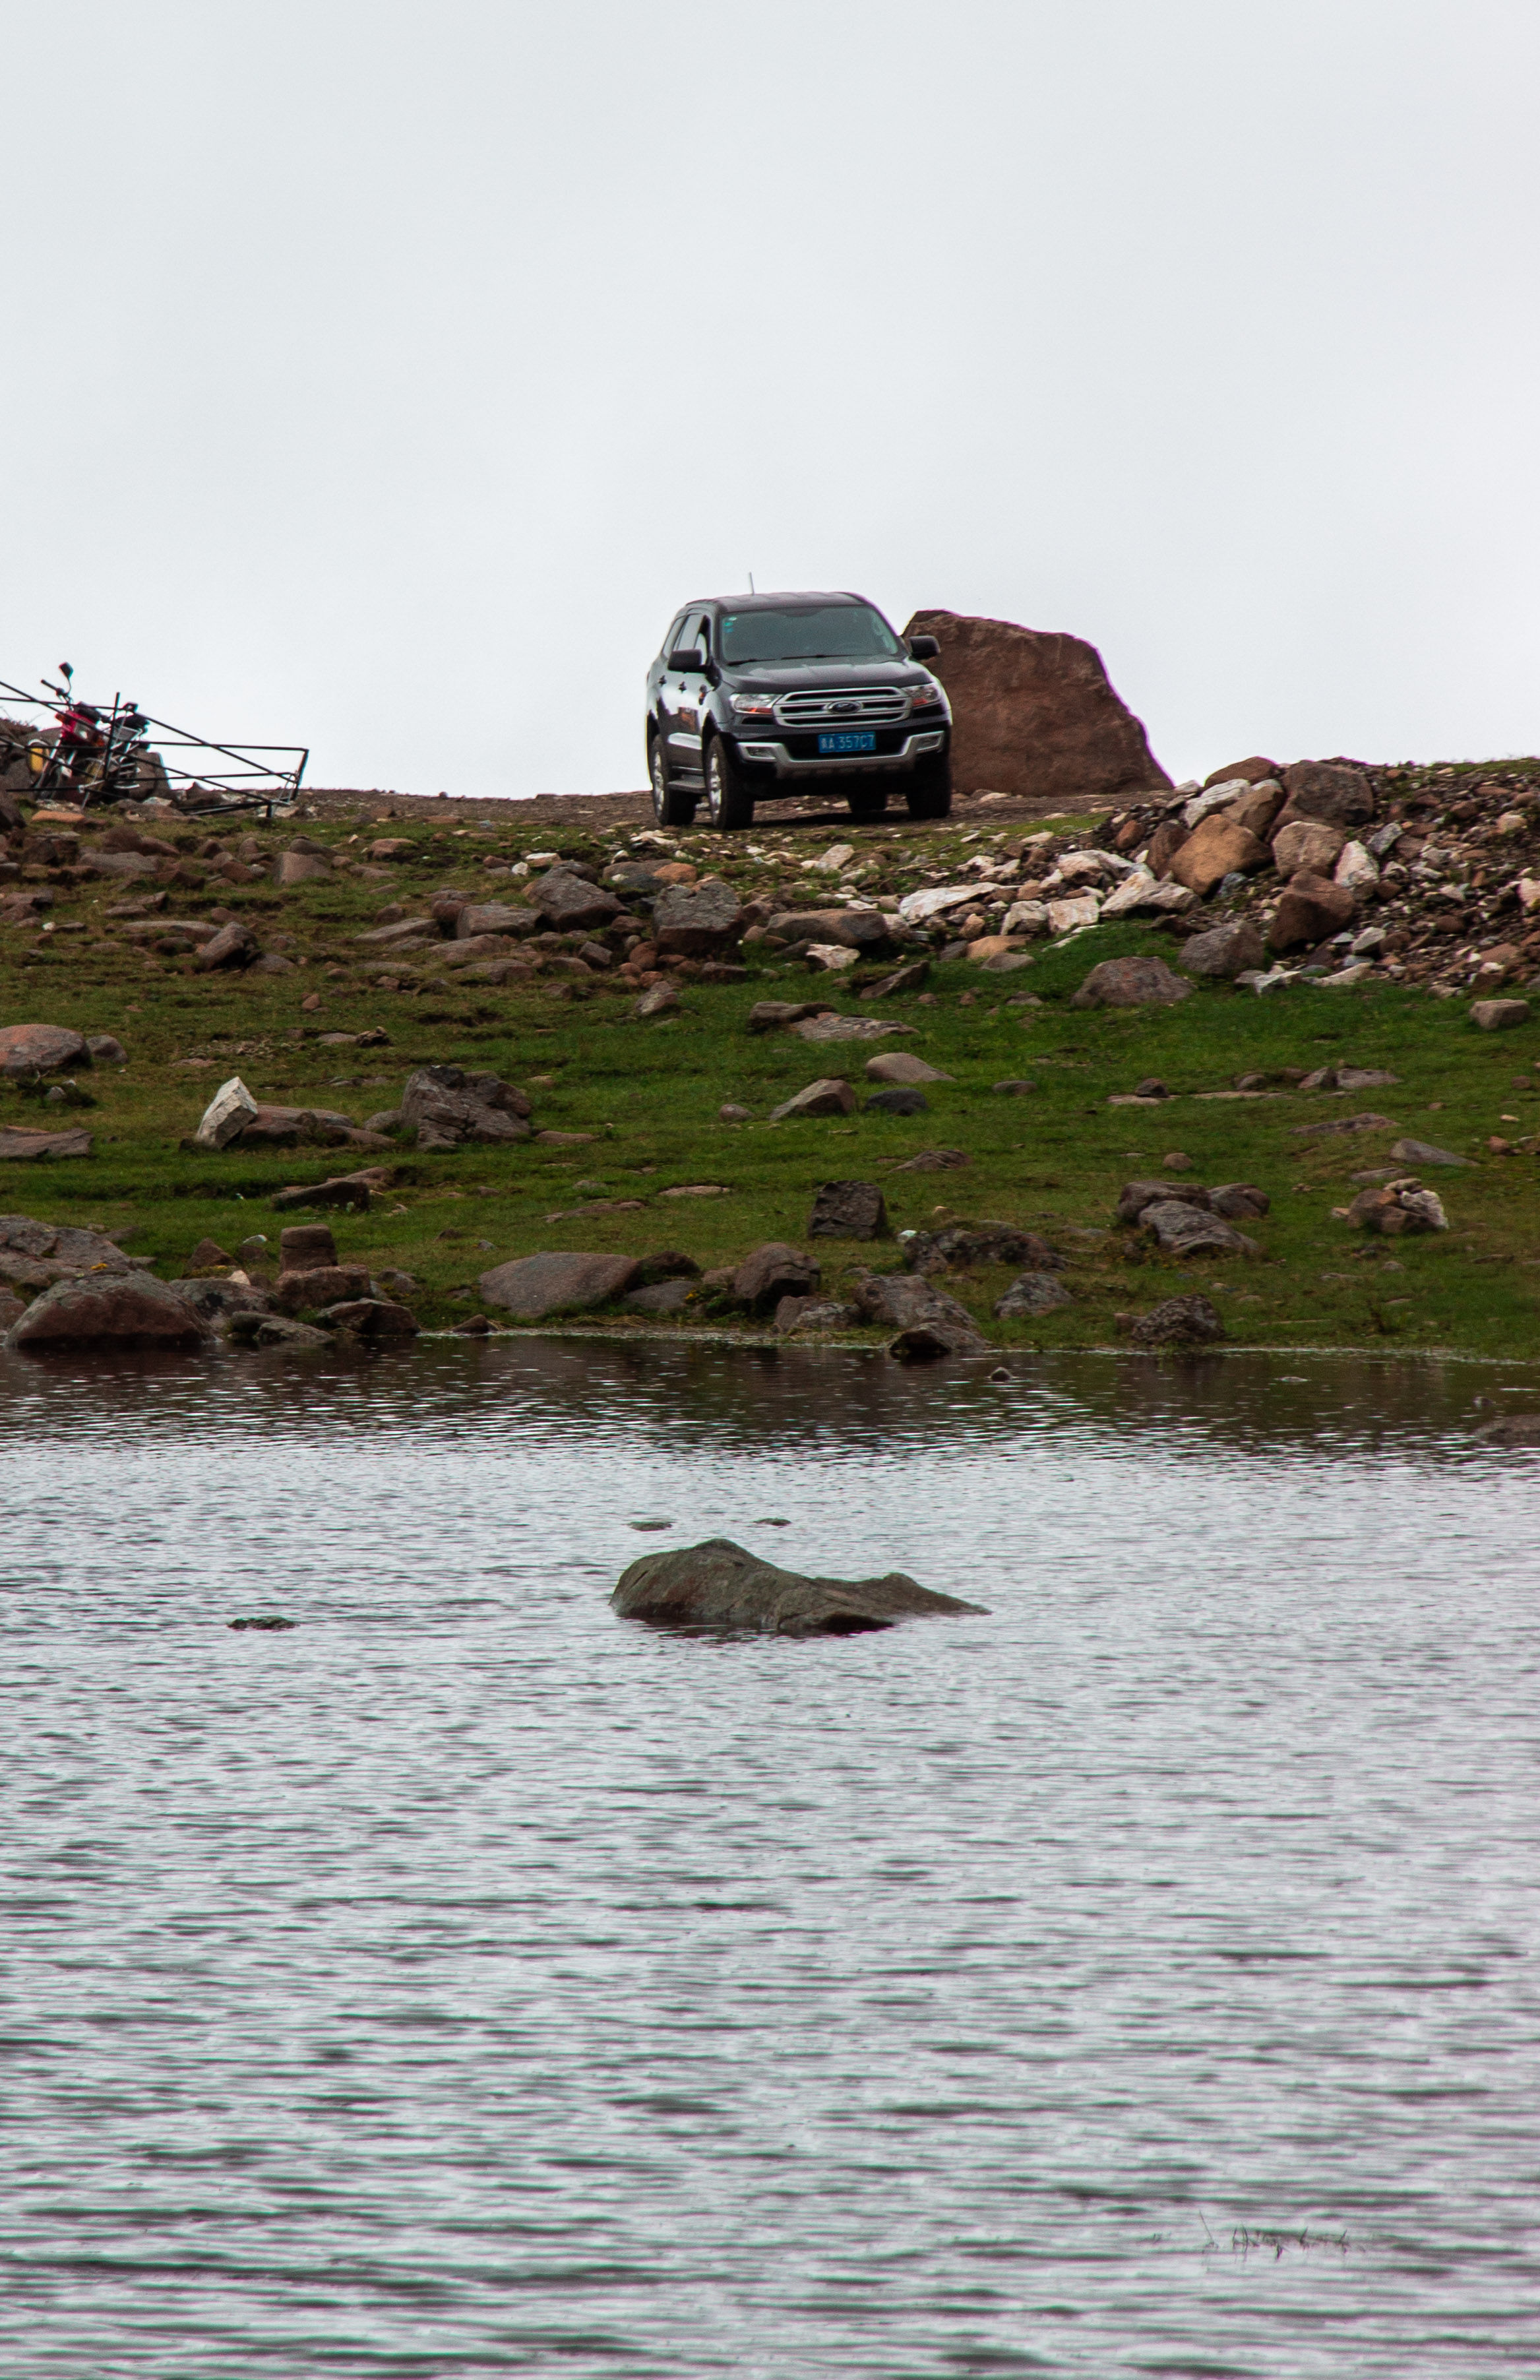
[{"x": 469, "y": 1982}]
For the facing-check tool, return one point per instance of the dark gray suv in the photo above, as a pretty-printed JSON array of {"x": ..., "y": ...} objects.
[{"x": 755, "y": 697}]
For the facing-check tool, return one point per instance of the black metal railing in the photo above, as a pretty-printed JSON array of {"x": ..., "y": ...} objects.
[{"x": 116, "y": 760}]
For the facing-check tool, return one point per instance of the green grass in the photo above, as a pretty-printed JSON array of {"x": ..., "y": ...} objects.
[{"x": 1053, "y": 1159}]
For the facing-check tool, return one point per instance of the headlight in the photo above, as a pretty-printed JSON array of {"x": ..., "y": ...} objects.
[
  {"x": 925, "y": 696},
  {"x": 754, "y": 706}
]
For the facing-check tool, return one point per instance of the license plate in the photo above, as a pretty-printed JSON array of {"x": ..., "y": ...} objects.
[{"x": 866, "y": 743}]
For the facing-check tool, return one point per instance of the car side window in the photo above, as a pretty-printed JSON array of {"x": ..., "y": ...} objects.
[
  {"x": 672, "y": 638},
  {"x": 692, "y": 633}
]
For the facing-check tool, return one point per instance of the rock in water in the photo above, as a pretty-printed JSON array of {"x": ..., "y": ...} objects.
[
  {"x": 124, "y": 1310},
  {"x": 718, "y": 1586},
  {"x": 1034, "y": 714}
]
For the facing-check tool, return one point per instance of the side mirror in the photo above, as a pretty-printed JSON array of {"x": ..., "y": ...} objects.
[
  {"x": 924, "y": 648},
  {"x": 688, "y": 659}
]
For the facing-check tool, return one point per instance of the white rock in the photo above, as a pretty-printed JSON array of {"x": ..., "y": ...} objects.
[
  {"x": 1132, "y": 893},
  {"x": 1077, "y": 865},
  {"x": 1218, "y": 798},
  {"x": 1354, "y": 867},
  {"x": 1026, "y": 918},
  {"x": 838, "y": 855},
  {"x": 916, "y": 907},
  {"x": 1354, "y": 974},
  {"x": 1082, "y": 909},
  {"x": 1512, "y": 822},
  {"x": 1528, "y": 890},
  {"x": 230, "y": 1111},
  {"x": 832, "y": 956}
]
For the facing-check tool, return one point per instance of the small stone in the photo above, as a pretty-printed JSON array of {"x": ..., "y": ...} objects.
[
  {"x": 1034, "y": 1292},
  {"x": 902, "y": 1066},
  {"x": 935, "y": 1161},
  {"x": 207, "y": 1257},
  {"x": 731, "y": 1113},
  {"x": 899, "y": 1102},
  {"x": 1130, "y": 983},
  {"x": 1014, "y": 1087},
  {"x": 304, "y": 1247},
  {"x": 1423, "y": 1153},
  {"x": 1152, "y": 1087},
  {"x": 1177, "y": 1161}
]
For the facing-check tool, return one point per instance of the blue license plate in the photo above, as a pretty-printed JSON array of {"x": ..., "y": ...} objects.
[{"x": 866, "y": 743}]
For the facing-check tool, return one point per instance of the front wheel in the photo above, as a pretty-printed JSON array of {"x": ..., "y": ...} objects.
[
  {"x": 729, "y": 803},
  {"x": 669, "y": 806},
  {"x": 929, "y": 794}
]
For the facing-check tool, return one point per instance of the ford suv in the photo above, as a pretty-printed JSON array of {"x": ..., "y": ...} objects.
[{"x": 760, "y": 697}]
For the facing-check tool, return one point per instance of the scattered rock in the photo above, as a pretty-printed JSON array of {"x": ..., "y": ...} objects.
[
  {"x": 718, "y": 1586},
  {"x": 899, "y": 1102},
  {"x": 1225, "y": 951},
  {"x": 208, "y": 1257},
  {"x": 1399, "y": 1207},
  {"x": 772, "y": 1272},
  {"x": 1311, "y": 909},
  {"x": 667, "y": 1264},
  {"x": 303, "y": 1246},
  {"x": 1015, "y": 1087},
  {"x": 661, "y": 1297},
  {"x": 800, "y": 1313},
  {"x": 252, "y": 1329},
  {"x": 1308, "y": 847},
  {"x": 128, "y": 1310},
  {"x": 935, "y": 1161},
  {"x": 18, "y": 1142},
  {"x": 569, "y": 903},
  {"x": 1130, "y": 983},
  {"x": 1034, "y": 1292},
  {"x": 770, "y": 1016},
  {"x": 294, "y": 867},
  {"x": 318, "y": 1285},
  {"x": 697, "y": 920},
  {"x": 848, "y": 1210},
  {"x": 659, "y": 1001},
  {"x": 107, "y": 1049},
  {"x": 1496, "y": 1016},
  {"x": 1325, "y": 789},
  {"x": 40, "y": 1049},
  {"x": 906, "y": 979},
  {"x": 1218, "y": 847},
  {"x": 1178, "y": 1320},
  {"x": 369, "y": 1318},
  {"x": 1183, "y": 1229},
  {"x": 964, "y": 1246},
  {"x": 1239, "y": 1202},
  {"x": 902, "y": 1066},
  {"x": 234, "y": 946},
  {"x": 227, "y": 1113},
  {"x": 446, "y": 1107},
  {"x": 729, "y": 1113},
  {"x": 1366, "y": 1121},
  {"x": 831, "y": 1028},
  {"x": 1423, "y": 1153},
  {"x": 354, "y": 1190},
  {"x": 847, "y": 930},
  {"x": 533, "y": 1287},
  {"x": 828, "y": 1096},
  {"x": 928, "y": 1322}
]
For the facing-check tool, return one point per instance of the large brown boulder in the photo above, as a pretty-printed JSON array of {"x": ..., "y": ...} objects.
[
  {"x": 772, "y": 1272},
  {"x": 1033, "y": 713},
  {"x": 1329, "y": 790},
  {"x": 697, "y": 920},
  {"x": 1252, "y": 769},
  {"x": 718, "y": 1586},
  {"x": 41, "y": 1049},
  {"x": 569, "y": 903},
  {"x": 1311, "y": 910},
  {"x": 1130, "y": 983},
  {"x": 1307, "y": 847},
  {"x": 125, "y": 1310},
  {"x": 1216, "y": 848},
  {"x": 1225, "y": 951}
]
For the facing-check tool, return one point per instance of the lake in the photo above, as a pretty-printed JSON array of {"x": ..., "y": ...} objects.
[{"x": 1139, "y": 1979}]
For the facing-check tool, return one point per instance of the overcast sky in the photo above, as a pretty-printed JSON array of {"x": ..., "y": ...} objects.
[{"x": 382, "y": 376}]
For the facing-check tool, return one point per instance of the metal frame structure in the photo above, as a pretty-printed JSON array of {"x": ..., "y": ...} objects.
[{"x": 229, "y": 776}]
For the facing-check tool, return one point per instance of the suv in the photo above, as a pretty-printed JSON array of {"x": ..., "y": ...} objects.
[{"x": 760, "y": 697}]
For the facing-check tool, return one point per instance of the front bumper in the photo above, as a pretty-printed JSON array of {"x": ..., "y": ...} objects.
[{"x": 922, "y": 744}]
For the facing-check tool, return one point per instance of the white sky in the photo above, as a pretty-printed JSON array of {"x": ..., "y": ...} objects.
[{"x": 382, "y": 376}]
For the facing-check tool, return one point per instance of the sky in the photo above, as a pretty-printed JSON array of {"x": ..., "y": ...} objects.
[{"x": 383, "y": 377}]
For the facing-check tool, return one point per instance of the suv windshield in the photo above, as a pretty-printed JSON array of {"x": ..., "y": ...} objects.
[{"x": 828, "y": 632}]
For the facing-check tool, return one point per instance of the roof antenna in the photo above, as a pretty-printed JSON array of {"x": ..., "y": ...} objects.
[{"x": 751, "y": 582}]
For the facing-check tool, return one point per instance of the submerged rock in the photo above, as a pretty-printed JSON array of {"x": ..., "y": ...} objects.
[{"x": 719, "y": 1584}]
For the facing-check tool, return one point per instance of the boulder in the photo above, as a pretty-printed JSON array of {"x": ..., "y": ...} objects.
[
  {"x": 1423, "y": 1153},
  {"x": 369, "y": 1318},
  {"x": 1367, "y": 1120},
  {"x": 480, "y": 917},
  {"x": 902, "y": 1066},
  {"x": 772, "y": 1272},
  {"x": 852, "y": 929},
  {"x": 228, "y": 1113},
  {"x": 661, "y": 1297},
  {"x": 15, "y": 1141},
  {"x": 1135, "y": 1197},
  {"x": 533, "y": 1287},
  {"x": 1183, "y": 1229},
  {"x": 1218, "y": 847},
  {"x": 1307, "y": 846},
  {"x": 234, "y": 946},
  {"x": 125, "y": 1309},
  {"x": 1252, "y": 769},
  {"x": 1257, "y": 809},
  {"x": 208, "y": 1257},
  {"x": 1177, "y": 1321},
  {"x": 40, "y": 1049},
  {"x": 906, "y": 978},
  {"x": 272, "y": 962},
  {"x": 1225, "y": 951},
  {"x": 964, "y": 1245},
  {"x": 830, "y": 1028},
  {"x": 250, "y": 1329},
  {"x": 1034, "y": 1292},
  {"x": 1329, "y": 790},
  {"x": 848, "y": 1210},
  {"x": 1079, "y": 909},
  {"x": 900, "y": 1100},
  {"x": 352, "y": 1190},
  {"x": 658, "y": 1001},
  {"x": 568, "y": 904},
  {"x": 720, "y": 1586},
  {"x": 934, "y": 1160},
  {"x": 446, "y": 1107},
  {"x": 928, "y": 1322},
  {"x": 1496, "y": 1016},
  {"x": 301, "y": 867},
  {"x": 795, "y": 1314},
  {"x": 1130, "y": 983},
  {"x": 697, "y": 920},
  {"x": 216, "y": 1299},
  {"x": 316, "y": 1285},
  {"x": 1397, "y": 1206},
  {"x": 107, "y": 1049},
  {"x": 830, "y": 1096},
  {"x": 406, "y": 930},
  {"x": 303, "y": 1246},
  {"x": 1311, "y": 910},
  {"x": 1034, "y": 714},
  {"x": 35, "y": 1254},
  {"x": 1357, "y": 868},
  {"x": 1239, "y": 1202}
]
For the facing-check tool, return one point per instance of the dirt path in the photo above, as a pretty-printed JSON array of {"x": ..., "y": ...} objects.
[{"x": 615, "y": 813}]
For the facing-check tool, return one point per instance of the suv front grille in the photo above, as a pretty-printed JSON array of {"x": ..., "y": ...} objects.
[{"x": 836, "y": 709}]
